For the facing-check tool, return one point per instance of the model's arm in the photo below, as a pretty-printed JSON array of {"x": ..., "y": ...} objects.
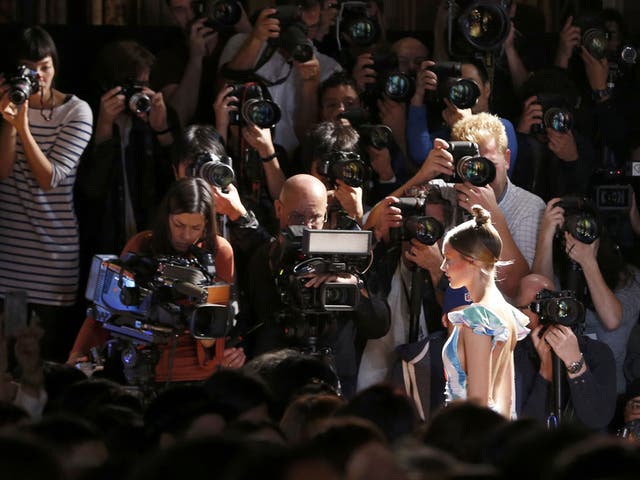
[{"x": 477, "y": 359}]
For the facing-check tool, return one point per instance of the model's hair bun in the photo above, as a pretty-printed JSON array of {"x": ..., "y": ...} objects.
[{"x": 481, "y": 216}]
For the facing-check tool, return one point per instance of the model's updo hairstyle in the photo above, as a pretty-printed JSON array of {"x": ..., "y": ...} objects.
[{"x": 477, "y": 238}]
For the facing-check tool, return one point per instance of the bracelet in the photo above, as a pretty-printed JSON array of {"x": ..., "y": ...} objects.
[
  {"x": 574, "y": 367},
  {"x": 161, "y": 132},
  {"x": 268, "y": 158}
]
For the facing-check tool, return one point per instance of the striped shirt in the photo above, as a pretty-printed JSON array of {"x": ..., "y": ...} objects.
[{"x": 39, "y": 250}]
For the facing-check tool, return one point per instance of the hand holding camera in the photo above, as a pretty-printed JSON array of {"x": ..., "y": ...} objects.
[
  {"x": 452, "y": 114},
  {"x": 563, "y": 145},
  {"x": 564, "y": 344},
  {"x": 363, "y": 72},
  {"x": 202, "y": 40},
  {"x": 570, "y": 38},
  {"x": 224, "y": 104},
  {"x": 267, "y": 25},
  {"x": 385, "y": 216},
  {"x": 228, "y": 202},
  {"x": 259, "y": 139},
  {"x": 580, "y": 252},
  {"x": 552, "y": 220},
  {"x": 426, "y": 81},
  {"x": 438, "y": 162},
  {"x": 531, "y": 115},
  {"x": 350, "y": 199},
  {"x": 597, "y": 69}
]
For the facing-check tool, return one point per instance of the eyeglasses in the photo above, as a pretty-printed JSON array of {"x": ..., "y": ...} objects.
[{"x": 297, "y": 218}]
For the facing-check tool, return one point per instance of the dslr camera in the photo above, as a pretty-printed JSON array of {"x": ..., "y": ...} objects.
[
  {"x": 134, "y": 97},
  {"x": 415, "y": 224},
  {"x": 304, "y": 251},
  {"x": 345, "y": 166},
  {"x": 253, "y": 106},
  {"x": 217, "y": 171},
  {"x": 593, "y": 33},
  {"x": 579, "y": 219},
  {"x": 477, "y": 26},
  {"x": 390, "y": 81},
  {"x": 558, "y": 308},
  {"x": 469, "y": 166},
  {"x": 462, "y": 92},
  {"x": 556, "y": 113},
  {"x": 293, "y": 36},
  {"x": 371, "y": 135},
  {"x": 354, "y": 25},
  {"x": 220, "y": 14},
  {"x": 22, "y": 84}
]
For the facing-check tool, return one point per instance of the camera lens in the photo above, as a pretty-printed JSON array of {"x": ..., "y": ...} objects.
[
  {"x": 224, "y": 12},
  {"x": 628, "y": 54},
  {"x": 263, "y": 113},
  {"x": 302, "y": 52},
  {"x": 565, "y": 311},
  {"x": 463, "y": 93},
  {"x": 216, "y": 173},
  {"x": 139, "y": 103},
  {"x": 20, "y": 91},
  {"x": 426, "y": 230},
  {"x": 485, "y": 27},
  {"x": 378, "y": 136},
  {"x": 583, "y": 227},
  {"x": 350, "y": 170},
  {"x": 558, "y": 119},
  {"x": 478, "y": 171},
  {"x": 595, "y": 41},
  {"x": 362, "y": 32},
  {"x": 399, "y": 87}
]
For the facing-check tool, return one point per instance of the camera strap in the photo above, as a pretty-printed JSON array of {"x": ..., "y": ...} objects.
[{"x": 251, "y": 75}]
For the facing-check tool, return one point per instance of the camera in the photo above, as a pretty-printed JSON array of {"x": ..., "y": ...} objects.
[
  {"x": 614, "y": 189},
  {"x": 151, "y": 299},
  {"x": 415, "y": 224},
  {"x": 469, "y": 166},
  {"x": 556, "y": 113},
  {"x": 253, "y": 107},
  {"x": 134, "y": 97},
  {"x": 472, "y": 26},
  {"x": 304, "y": 251},
  {"x": 462, "y": 92},
  {"x": 371, "y": 135},
  {"x": 355, "y": 26},
  {"x": 217, "y": 171},
  {"x": 558, "y": 308},
  {"x": 345, "y": 166},
  {"x": 594, "y": 36},
  {"x": 293, "y": 36},
  {"x": 22, "y": 84},
  {"x": 220, "y": 14},
  {"x": 579, "y": 219}
]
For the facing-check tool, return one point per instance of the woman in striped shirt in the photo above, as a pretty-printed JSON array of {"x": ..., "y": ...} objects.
[{"x": 41, "y": 141}]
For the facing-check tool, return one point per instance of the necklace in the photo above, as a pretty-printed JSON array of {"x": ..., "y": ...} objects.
[{"x": 44, "y": 108}]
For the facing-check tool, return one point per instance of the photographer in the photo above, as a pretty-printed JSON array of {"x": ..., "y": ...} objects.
[
  {"x": 590, "y": 368},
  {"x": 126, "y": 173},
  {"x": 613, "y": 286},
  {"x": 42, "y": 138},
  {"x": 186, "y": 217},
  {"x": 293, "y": 84},
  {"x": 303, "y": 201}
]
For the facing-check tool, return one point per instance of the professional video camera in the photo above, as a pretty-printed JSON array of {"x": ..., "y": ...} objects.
[
  {"x": 134, "y": 97},
  {"x": 579, "y": 219},
  {"x": 477, "y": 26},
  {"x": 304, "y": 251},
  {"x": 374, "y": 135},
  {"x": 355, "y": 26},
  {"x": 594, "y": 35},
  {"x": 558, "y": 308},
  {"x": 556, "y": 113},
  {"x": 415, "y": 224},
  {"x": 152, "y": 299},
  {"x": 345, "y": 166},
  {"x": 253, "y": 106},
  {"x": 462, "y": 92},
  {"x": 469, "y": 166},
  {"x": 293, "y": 36},
  {"x": 22, "y": 84},
  {"x": 220, "y": 14},
  {"x": 217, "y": 171}
]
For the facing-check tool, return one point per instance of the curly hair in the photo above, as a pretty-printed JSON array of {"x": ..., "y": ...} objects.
[{"x": 479, "y": 128}]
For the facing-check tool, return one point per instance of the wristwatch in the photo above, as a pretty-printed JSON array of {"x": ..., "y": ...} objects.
[{"x": 574, "y": 367}]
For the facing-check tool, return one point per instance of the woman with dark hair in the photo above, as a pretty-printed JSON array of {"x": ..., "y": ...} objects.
[
  {"x": 478, "y": 356},
  {"x": 613, "y": 302},
  {"x": 185, "y": 218},
  {"x": 41, "y": 141}
]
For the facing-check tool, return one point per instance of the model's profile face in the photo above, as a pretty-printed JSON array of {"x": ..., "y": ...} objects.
[
  {"x": 456, "y": 267},
  {"x": 186, "y": 229}
]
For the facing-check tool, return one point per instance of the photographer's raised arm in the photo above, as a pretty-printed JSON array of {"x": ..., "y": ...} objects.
[
  {"x": 260, "y": 139},
  {"x": 265, "y": 27}
]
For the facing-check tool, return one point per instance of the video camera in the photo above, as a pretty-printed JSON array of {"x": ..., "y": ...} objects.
[
  {"x": 355, "y": 26},
  {"x": 134, "y": 97},
  {"x": 152, "y": 299},
  {"x": 253, "y": 106},
  {"x": 556, "y": 113},
  {"x": 23, "y": 83},
  {"x": 217, "y": 171},
  {"x": 579, "y": 219},
  {"x": 415, "y": 224},
  {"x": 293, "y": 36},
  {"x": 558, "y": 308},
  {"x": 476, "y": 25},
  {"x": 469, "y": 166},
  {"x": 345, "y": 166},
  {"x": 462, "y": 92},
  {"x": 614, "y": 188},
  {"x": 220, "y": 14},
  {"x": 304, "y": 251}
]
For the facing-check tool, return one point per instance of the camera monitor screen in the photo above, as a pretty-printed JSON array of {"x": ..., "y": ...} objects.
[{"x": 339, "y": 242}]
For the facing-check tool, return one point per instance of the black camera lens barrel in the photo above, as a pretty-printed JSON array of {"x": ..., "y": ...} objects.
[{"x": 22, "y": 84}]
